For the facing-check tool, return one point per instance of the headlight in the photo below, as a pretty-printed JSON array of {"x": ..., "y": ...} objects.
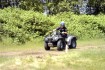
[
  {"x": 46, "y": 39},
  {"x": 55, "y": 38}
]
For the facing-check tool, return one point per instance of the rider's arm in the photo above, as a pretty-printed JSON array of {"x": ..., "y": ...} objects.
[{"x": 56, "y": 29}]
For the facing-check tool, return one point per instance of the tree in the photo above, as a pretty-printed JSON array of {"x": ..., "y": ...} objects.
[
  {"x": 56, "y": 6},
  {"x": 31, "y": 5},
  {"x": 99, "y": 4}
]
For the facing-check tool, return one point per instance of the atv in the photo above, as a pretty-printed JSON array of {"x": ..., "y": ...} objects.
[{"x": 54, "y": 39}]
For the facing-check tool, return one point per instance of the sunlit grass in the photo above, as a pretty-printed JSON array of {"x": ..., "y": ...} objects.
[
  {"x": 32, "y": 45},
  {"x": 3, "y": 59},
  {"x": 91, "y": 42},
  {"x": 92, "y": 58},
  {"x": 39, "y": 44}
]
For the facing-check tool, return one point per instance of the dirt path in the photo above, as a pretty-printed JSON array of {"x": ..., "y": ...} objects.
[{"x": 42, "y": 52}]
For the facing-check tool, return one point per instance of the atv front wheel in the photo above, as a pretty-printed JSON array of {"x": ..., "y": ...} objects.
[
  {"x": 46, "y": 46},
  {"x": 60, "y": 45}
]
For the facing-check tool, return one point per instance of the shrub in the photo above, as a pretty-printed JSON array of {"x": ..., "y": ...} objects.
[
  {"x": 83, "y": 26},
  {"x": 22, "y": 25}
]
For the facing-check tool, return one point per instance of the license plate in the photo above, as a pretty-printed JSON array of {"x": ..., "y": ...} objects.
[{"x": 50, "y": 44}]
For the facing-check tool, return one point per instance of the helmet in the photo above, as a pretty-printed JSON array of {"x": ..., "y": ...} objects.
[{"x": 62, "y": 23}]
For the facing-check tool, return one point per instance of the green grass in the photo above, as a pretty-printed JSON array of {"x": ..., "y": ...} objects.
[
  {"x": 39, "y": 43},
  {"x": 89, "y": 55},
  {"x": 4, "y": 59},
  {"x": 93, "y": 42},
  {"x": 32, "y": 45},
  {"x": 14, "y": 47},
  {"x": 89, "y": 59},
  {"x": 85, "y": 59}
]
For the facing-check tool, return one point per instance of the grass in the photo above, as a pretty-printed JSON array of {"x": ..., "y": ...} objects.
[
  {"x": 14, "y": 47},
  {"x": 89, "y": 55},
  {"x": 91, "y": 59},
  {"x": 38, "y": 44},
  {"x": 3, "y": 59},
  {"x": 86, "y": 59},
  {"x": 93, "y": 42},
  {"x": 32, "y": 45}
]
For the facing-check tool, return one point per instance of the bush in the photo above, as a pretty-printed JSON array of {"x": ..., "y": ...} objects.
[
  {"x": 83, "y": 26},
  {"x": 22, "y": 25}
]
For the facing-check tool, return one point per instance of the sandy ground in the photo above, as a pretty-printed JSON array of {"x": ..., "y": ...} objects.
[
  {"x": 37, "y": 53},
  {"x": 41, "y": 52}
]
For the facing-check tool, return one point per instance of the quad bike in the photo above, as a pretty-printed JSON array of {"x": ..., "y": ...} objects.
[{"x": 54, "y": 39}]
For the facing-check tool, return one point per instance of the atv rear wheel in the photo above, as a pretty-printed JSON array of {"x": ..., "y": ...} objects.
[
  {"x": 46, "y": 46},
  {"x": 73, "y": 44}
]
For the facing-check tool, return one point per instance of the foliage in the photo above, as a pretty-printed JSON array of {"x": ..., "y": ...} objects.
[
  {"x": 31, "y": 5},
  {"x": 100, "y": 4},
  {"x": 56, "y": 6},
  {"x": 83, "y": 26},
  {"x": 22, "y": 25}
]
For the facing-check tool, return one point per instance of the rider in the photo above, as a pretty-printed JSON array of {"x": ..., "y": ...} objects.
[{"x": 62, "y": 29}]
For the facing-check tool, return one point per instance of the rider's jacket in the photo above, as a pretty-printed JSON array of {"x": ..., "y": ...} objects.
[{"x": 62, "y": 29}]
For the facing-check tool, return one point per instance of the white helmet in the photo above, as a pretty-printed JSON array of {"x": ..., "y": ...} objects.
[{"x": 62, "y": 23}]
